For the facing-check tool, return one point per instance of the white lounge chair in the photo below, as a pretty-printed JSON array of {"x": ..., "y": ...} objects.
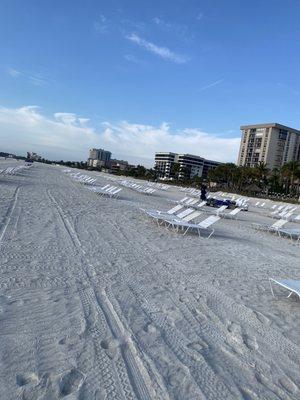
[
  {"x": 203, "y": 225},
  {"x": 292, "y": 285},
  {"x": 232, "y": 214},
  {"x": 158, "y": 215},
  {"x": 271, "y": 228},
  {"x": 115, "y": 193},
  {"x": 293, "y": 233},
  {"x": 220, "y": 209},
  {"x": 181, "y": 215},
  {"x": 187, "y": 218},
  {"x": 200, "y": 205}
]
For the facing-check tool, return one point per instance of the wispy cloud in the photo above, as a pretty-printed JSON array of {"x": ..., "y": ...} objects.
[
  {"x": 162, "y": 52},
  {"x": 199, "y": 16},
  {"x": 101, "y": 25},
  {"x": 35, "y": 78},
  {"x": 13, "y": 72},
  {"x": 182, "y": 31},
  {"x": 212, "y": 84}
]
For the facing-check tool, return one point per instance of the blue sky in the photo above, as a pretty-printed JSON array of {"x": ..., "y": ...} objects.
[{"x": 142, "y": 76}]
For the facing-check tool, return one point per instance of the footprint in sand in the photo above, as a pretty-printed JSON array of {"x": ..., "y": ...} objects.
[
  {"x": 70, "y": 382},
  {"x": 248, "y": 394},
  {"x": 250, "y": 342},
  {"x": 110, "y": 345},
  {"x": 25, "y": 379}
]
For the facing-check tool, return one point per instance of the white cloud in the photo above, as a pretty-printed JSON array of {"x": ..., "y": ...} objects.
[
  {"x": 162, "y": 52},
  {"x": 67, "y": 136},
  {"x": 143, "y": 141}
]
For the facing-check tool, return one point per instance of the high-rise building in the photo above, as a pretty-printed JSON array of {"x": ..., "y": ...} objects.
[
  {"x": 189, "y": 165},
  {"x": 99, "y": 157},
  {"x": 164, "y": 162},
  {"x": 273, "y": 144}
]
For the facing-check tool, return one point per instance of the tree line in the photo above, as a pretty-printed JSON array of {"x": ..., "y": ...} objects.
[{"x": 259, "y": 179}]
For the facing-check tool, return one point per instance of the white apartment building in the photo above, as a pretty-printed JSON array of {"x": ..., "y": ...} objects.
[
  {"x": 273, "y": 144},
  {"x": 189, "y": 165}
]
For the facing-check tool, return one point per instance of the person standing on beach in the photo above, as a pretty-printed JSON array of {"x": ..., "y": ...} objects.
[{"x": 203, "y": 192}]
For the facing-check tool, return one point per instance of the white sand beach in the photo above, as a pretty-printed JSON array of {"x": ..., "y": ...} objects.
[{"x": 98, "y": 302}]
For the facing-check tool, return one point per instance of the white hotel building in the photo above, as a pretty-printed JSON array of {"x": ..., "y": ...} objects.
[{"x": 189, "y": 165}]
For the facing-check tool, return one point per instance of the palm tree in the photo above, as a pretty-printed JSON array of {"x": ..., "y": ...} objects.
[
  {"x": 262, "y": 172},
  {"x": 289, "y": 171}
]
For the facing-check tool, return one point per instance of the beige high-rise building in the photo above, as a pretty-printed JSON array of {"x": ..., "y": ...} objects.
[{"x": 272, "y": 143}]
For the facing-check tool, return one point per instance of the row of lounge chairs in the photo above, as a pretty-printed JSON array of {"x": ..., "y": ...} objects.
[
  {"x": 278, "y": 228},
  {"x": 195, "y": 203},
  {"x": 13, "y": 170},
  {"x": 286, "y": 212},
  {"x": 106, "y": 191},
  {"x": 137, "y": 187},
  {"x": 183, "y": 221}
]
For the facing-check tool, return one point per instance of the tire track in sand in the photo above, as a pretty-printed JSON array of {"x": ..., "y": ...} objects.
[
  {"x": 106, "y": 319},
  {"x": 9, "y": 214}
]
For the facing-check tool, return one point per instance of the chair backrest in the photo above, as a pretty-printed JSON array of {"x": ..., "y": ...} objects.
[
  {"x": 201, "y": 204},
  {"x": 104, "y": 187},
  {"x": 279, "y": 223},
  {"x": 184, "y": 199},
  {"x": 110, "y": 189},
  {"x": 193, "y": 202},
  {"x": 209, "y": 221},
  {"x": 175, "y": 209},
  {"x": 192, "y": 216},
  {"x": 221, "y": 209},
  {"x": 297, "y": 218},
  {"x": 235, "y": 211},
  {"x": 288, "y": 215},
  {"x": 116, "y": 191},
  {"x": 185, "y": 213},
  {"x": 189, "y": 201}
]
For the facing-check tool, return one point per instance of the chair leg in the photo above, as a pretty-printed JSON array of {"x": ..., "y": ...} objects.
[{"x": 271, "y": 287}]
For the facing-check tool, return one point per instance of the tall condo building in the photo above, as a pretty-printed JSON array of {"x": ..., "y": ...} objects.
[
  {"x": 273, "y": 144},
  {"x": 189, "y": 165},
  {"x": 99, "y": 158}
]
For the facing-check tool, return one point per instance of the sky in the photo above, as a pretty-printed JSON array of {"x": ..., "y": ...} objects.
[{"x": 137, "y": 77}]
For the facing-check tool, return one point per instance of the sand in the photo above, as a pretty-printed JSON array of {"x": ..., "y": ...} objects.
[{"x": 98, "y": 302}]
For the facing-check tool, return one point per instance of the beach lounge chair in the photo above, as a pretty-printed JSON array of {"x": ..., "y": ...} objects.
[
  {"x": 203, "y": 225},
  {"x": 232, "y": 214},
  {"x": 200, "y": 205},
  {"x": 292, "y": 285},
  {"x": 271, "y": 228},
  {"x": 159, "y": 214},
  {"x": 183, "y": 200},
  {"x": 220, "y": 209},
  {"x": 115, "y": 193},
  {"x": 167, "y": 218},
  {"x": 293, "y": 233},
  {"x": 186, "y": 218}
]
